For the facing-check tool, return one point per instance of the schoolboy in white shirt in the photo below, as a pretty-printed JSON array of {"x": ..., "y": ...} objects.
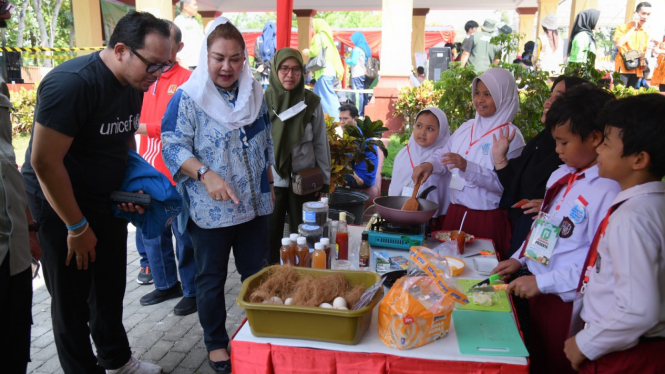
[
  {"x": 623, "y": 287},
  {"x": 575, "y": 202}
]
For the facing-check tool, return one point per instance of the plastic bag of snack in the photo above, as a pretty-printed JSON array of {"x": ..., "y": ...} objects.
[
  {"x": 417, "y": 309},
  {"x": 414, "y": 312}
]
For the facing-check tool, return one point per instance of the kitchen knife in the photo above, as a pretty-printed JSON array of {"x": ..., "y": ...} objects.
[
  {"x": 486, "y": 282},
  {"x": 493, "y": 288},
  {"x": 484, "y": 252}
]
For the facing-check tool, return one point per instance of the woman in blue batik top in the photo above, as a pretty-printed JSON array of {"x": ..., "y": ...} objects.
[{"x": 217, "y": 144}]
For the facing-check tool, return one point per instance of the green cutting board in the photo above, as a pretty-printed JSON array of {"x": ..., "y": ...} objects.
[
  {"x": 488, "y": 334},
  {"x": 502, "y": 305}
]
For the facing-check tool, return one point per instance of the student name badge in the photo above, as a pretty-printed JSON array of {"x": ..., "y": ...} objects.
[
  {"x": 542, "y": 240},
  {"x": 407, "y": 190},
  {"x": 292, "y": 111},
  {"x": 457, "y": 182}
]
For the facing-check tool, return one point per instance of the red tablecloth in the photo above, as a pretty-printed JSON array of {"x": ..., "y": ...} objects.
[
  {"x": 260, "y": 358},
  {"x": 251, "y": 357}
]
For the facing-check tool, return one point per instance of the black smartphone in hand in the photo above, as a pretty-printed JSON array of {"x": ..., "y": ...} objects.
[{"x": 142, "y": 199}]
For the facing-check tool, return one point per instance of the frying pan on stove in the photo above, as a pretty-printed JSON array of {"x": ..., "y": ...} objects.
[{"x": 390, "y": 209}]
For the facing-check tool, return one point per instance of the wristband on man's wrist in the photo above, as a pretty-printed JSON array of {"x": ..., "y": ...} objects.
[{"x": 77, "y": 226}]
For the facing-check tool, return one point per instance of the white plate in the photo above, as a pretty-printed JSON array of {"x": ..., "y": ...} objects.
[{"x": 484, "y": 265}]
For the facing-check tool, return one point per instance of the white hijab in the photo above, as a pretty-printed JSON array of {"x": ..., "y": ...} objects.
[
  {"x": 501, "y": 84},
  {"x": 402, "y": 169},
  {"x": 204, "y": 93}
]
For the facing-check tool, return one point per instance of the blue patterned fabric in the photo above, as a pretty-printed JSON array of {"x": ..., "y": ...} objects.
[{"x": 241, "y": 157}]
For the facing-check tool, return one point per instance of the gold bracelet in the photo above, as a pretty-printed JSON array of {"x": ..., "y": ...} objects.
[{"x": 500, "y": 162}]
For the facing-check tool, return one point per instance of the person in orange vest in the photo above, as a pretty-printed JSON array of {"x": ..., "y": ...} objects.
[{"x": 632, "y": 36}]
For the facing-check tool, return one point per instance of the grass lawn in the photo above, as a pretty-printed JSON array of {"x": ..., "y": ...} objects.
[
  {"x": 20, "y": 143},
  {"x": 394, "y": 146}
]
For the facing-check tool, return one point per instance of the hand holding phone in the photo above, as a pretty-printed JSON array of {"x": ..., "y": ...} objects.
[{"x": 141, "y": 199}]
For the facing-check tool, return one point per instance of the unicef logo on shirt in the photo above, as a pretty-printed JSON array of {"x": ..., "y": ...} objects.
[
  {"x": 119, "y": 127},
  {"x": 486, "y": 149}
]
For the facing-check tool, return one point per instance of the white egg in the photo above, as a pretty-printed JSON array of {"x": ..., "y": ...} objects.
[
  {"x": 288, "y": 301},
  {"x": 326, "y": 305},
  {"x": 275, "y": 300},
  {"x": 339, "y": 302},
  {"x": 342, "y": 308}
]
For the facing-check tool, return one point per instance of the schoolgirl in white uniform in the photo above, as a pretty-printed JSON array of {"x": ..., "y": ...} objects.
[
  {"x": 467, "y": 157},
  {"x": 430, "y": 132}
]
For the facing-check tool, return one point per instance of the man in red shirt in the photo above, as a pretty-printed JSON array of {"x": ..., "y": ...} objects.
[{"x": 158, "y": 263}]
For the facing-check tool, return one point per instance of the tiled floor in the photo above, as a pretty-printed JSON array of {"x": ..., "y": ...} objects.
[{"x": 156, "y": 335}]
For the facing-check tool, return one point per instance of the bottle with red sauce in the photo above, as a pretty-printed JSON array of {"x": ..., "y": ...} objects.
[{"x": 342, "y": 238}]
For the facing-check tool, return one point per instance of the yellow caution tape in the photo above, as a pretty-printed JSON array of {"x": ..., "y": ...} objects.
[
  {"x": 45, "y": 49},
  {"x": 50, "y": 57}
]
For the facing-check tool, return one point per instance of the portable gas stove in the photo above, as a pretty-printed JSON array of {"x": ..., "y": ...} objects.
[{"x": 382, "y": 233}]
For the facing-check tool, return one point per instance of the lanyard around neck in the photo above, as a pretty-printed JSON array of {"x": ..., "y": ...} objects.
[
  {"x": 473, "y": 142},
  {"x": 593, "y": 250},
  {"x": 409, "y": 152},
  {"x": 570, "y": 185}
]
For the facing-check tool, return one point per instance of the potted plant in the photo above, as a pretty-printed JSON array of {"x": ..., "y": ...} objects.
[
  {"x": 341, "y": 146},
  {"x": 346, "y": 147},
  {"x": 367, "y": 134}
]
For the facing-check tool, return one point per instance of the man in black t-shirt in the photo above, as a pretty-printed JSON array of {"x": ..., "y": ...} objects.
[{"x": 86, "y": 114}]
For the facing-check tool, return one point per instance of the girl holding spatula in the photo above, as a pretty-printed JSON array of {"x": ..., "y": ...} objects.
[
  {"x": 430, "y": 132},
  {"x": 467, "y": 157}
]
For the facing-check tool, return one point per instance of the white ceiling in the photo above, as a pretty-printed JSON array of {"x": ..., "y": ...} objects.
[{"x": 328, "y": 5}]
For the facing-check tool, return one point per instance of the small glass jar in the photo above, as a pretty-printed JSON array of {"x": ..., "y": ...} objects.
[{"x": 311, "y": 232}]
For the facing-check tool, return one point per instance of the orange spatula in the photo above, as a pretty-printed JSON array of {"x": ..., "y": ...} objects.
[{"x": 412, "y": 203}]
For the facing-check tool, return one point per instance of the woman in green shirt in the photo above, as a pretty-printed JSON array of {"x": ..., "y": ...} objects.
[{"x": 581, "y": 37}]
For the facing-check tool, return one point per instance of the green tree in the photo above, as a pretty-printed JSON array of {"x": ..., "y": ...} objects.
[
  {"x": 51, "y": 25},
  {"x": 255, "y": 20},
  {"x": 351, "y": 19}
]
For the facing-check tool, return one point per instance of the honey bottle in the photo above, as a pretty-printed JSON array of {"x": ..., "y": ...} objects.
[
  {"x": 302, "y": 252},
  {"x": 294, "y": 241},
  {"x": 287, "y": 254}
]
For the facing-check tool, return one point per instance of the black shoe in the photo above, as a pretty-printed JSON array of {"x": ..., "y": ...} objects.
[
  {"x": 145, "y": 276},
  {"x": 221, "y": 367},
  {"x": 158, "y": 296},
  {"x": 186, "y": 306}
]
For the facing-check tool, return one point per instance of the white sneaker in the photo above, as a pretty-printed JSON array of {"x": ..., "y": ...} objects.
[{"x": 135, "y": 366}]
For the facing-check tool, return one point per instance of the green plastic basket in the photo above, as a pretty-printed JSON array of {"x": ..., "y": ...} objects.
[{"x": 310, "y": 323}]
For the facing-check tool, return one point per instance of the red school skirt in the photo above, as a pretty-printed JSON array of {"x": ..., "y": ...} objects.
[
  {"x": 486, "y": 224},
  {"x": 548, "y": 329},
  {"x": 644, "y": 358}
]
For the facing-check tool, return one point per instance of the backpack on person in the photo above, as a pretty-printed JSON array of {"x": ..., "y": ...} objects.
[{"x": 372, "y": 67}]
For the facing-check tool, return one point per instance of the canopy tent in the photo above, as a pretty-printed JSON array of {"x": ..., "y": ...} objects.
[
  {"x": 344, "y": 36},
  {"x": 355, "y": 5}
]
